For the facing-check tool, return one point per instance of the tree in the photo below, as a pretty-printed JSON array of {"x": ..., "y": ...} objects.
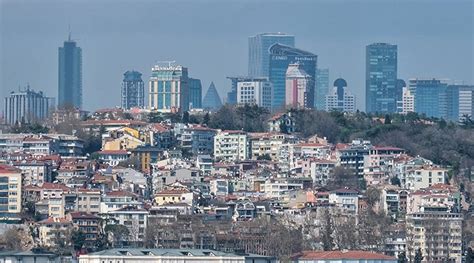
[
  {"x": 78, "y": 239},
  {"x": 17, "y": 238},
  {"x": 418, "y": 256},
  {"x": 387, "y": 119},
  {"x": 185, "y": 118},
  {"x": 264, "y": 157},
  {"x": 155, "y": 117},
  {"x": 206, "y": 119},
  {"x": 402, "y": 258},
  {"x": 327, "y": 231},
  {"x": 116, "y": 233},
  {"x": 470, "y": 255},
  {"x": 395, "y": 181},
  {"x": 343, "y": 177}
]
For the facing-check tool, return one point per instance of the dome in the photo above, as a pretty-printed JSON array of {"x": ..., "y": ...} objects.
[{"x": 340, "y": 83}]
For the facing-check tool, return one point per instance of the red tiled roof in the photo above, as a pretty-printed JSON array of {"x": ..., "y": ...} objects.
[
  {"x": 172, "y": 191},
  {"x": 350, "y": 254},
  {"x": 113, "y": 152},
  {"x": 6, "y": 169},
  {"x": 52, "y": 220},
  {"x": 51, "y": 186},
  {"x": 79, "y": 215},
  {"x": 119, "y": 193}
]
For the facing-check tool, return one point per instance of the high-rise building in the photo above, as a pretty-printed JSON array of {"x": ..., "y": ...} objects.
[
  {"x": 195, "y": 93},
  {"x": 10, "y": 192},
  {"x": 168, "y": 90},
  {"x": 27, "y": 106},
  {"x": 381, "y": 78},
  {"x": 70, "y": 75},
  {"x": 460, "y": 102},
  {"x": 259, "y": 51},
  {"x": 133, "y": 90},
  {"x": 255, "y": 91},
  {"x": 281, "y": 57},
  {"x": 322, "y": 88},
  {"x": 430, "y": 97},
  {"x": 340, "y": 98},
  {"x": 408, "y": 101},
  {"x": 212, "y": 100},
  {"x": 298, "y": 87},
  {"x": 232, "y": 94}
]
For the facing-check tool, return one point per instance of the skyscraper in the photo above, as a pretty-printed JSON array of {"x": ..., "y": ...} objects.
[
  {"x": 322, "y": 88},
  {"x": 430, "y": 97},
  {"x": 298, "y": 85},
  {"x": 212, "y": 100},
  {"x": 460, "y": 102},
  {"x": 27, "y": 106},
  {"x": 381, "y": 78},
  {"x": 168, "y": 90},
  {"x": 70, "y": 75},
  {"x": 195, "y": 93},
  {"x": 281, "y": 57},
  {"x": 133, "y": 90},
  {"x": 340, "y": 98},
  {"x": 408, "y": 101},
  {"x": 259, "y": 55},
  {"x": 254, "y": 91}
]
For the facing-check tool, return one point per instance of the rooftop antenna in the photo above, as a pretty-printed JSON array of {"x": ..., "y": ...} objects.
[{"x": 69, "y": 30}]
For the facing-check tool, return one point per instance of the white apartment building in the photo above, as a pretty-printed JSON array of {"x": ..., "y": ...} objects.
[
  {"x": 424, "y": 177},
  {"x": 347, "y": 199},
  {"x": 10, "y": 192},
  {"x": 408, "y": 101},
  {"x": 280, "y": 189},
  {"x": 231, "y": 146},
  {"x": 255, "y": 91},
  {"x": 266, "y": 144},
  {"x": 339, "y": 98}
]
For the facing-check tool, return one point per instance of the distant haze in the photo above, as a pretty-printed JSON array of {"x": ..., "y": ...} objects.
[{"x": 434, "y": 38}]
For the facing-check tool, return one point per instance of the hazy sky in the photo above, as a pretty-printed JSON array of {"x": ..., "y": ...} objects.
[{"x": 434, "y": 38}]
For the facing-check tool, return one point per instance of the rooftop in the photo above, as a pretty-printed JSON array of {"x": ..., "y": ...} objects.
[{"x": 344, "y": 254}]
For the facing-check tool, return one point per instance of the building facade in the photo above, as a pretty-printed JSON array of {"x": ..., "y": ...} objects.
[
  {"x": 255, "y": 91},
  {"x": 27, "y": 106},
  {"x": 408, "y": 101},
  {"x": 212, "y": 100},
  {"x": 340, "y": 98},
  {"x": 168, "y": 88},
  {"x": 460, "y": 102},
  {"x": 381, "y": 78},
  {"x": 281, "y": 56},
  {"x": 70, "y": 75},
  {"x": 430, "y": 97},
  {"x": 322, "y": 88},
  {"x": 299, "y": 87},
  {"x": 10, "y": 192},
  {"x": 195, "y": 94},
  {"x": 259, "y": 46},
  {"x": 231, "y": 146},
  {"x": 133, "y": 90}
]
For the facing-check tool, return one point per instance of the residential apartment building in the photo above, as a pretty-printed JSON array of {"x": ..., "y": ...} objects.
[
  {"x": 424, "y": 177},
  {"x": 255, "y": 91},
  {"x": 10, "y": 193},
  {"x": 299, "y": 87},
  {"x": 265, "y": 144},
  {"x": 231, "y": 146},
  {"x": 27, "y": 106}
]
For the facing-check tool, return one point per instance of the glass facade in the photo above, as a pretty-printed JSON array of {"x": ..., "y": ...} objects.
[
  {"x": 430, "y": 97},
  {"x": 195, "y": 93},
  {"x": 133, "y": 90},
  {"x": 169, "y": 88},
  {"x": 459, "y": 102},
  {"x": 70, "y": 75},
  {"x": 381, "y": 78},
  {"x": 259, "y": 55},
  {"x": 212, "y": 100},
  {"x": 322, "y": 88},
  {"x": 281, "y": 57}
]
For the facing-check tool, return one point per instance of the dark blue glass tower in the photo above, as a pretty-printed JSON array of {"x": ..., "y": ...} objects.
[
  {"x": 70, "y": 75},
  {"x": 195, "y": 93},
  {"x": 381, "y": 78},
  {"x": 280, "y": 57}
]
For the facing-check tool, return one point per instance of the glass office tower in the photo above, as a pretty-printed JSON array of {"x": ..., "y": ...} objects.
[
  {"x": 70, "y": 75},
  {"x": 195, "y": 93},
  {"x": 168, "y": 91},
  {"x": 133, "y": 90},
  {"x": 281, "y": 57},
  {"x": 322, "y": 88},
  {"x": 381, "y": 78},
  {"x": 259, "y": 55}
]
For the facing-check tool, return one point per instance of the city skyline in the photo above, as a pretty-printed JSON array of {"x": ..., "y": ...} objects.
[{"x": 340, "y": 47}]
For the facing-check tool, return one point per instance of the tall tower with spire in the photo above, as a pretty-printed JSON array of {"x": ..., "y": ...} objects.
[{"x": 70, "y": 74}]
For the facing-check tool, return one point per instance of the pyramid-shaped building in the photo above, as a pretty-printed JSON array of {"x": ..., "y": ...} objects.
[{"x": 212, "y": 100}]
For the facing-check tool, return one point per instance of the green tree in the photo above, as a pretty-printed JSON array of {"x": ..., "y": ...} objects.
[
  {"x": 155, "y": 117},
  {"x": 470, "y": 255},
  {"x": 418, "y": 256},
  {"x": 264, "y": 157},
  {"x": 402, "y": 258},
  {"x": 395, "y": 181},
  {"x": 185, "y": 118},
  {"x": 387, "y": 120},
  {"x": 206, "y": 119},
  {"x": 78, "y": 239}
]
